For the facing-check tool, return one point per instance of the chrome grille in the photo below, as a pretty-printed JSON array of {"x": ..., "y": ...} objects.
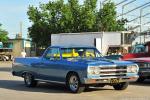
[{"x": 108, "y": 71}]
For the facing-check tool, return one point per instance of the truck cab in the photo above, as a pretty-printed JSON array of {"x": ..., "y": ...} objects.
[{"x": 139, "y": 50}]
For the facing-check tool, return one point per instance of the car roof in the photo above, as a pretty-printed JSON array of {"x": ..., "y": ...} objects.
[{"x": 72, "y": 46}]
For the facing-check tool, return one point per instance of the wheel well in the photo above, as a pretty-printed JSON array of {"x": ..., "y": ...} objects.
[
  {"x": 25, "y": 73},
  {"x": 71, "y": 72}
]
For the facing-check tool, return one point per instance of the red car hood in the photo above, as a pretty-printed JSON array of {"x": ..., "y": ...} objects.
[{"x": 142, "y": 59}]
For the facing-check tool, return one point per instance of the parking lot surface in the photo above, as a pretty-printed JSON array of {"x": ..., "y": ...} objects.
[{"x": 12, "y": 88}]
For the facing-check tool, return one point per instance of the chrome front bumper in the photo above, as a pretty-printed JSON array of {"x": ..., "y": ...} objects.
[{"x": 108, "y": 80}]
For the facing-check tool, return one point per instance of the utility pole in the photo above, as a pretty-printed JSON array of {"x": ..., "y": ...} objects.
[
  {"x": 20, "y": 30},
  {"x": 126, "y": 5}
]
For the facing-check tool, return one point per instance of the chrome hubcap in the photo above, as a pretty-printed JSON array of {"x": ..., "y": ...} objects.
[
  {"x": 28, "y": 79},
  {"x": 73, "y": 83}
]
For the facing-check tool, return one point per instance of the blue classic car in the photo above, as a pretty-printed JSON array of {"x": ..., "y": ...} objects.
[{"x": 76, "y": 67}]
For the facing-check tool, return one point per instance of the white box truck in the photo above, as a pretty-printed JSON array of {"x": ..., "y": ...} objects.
[{"x": 101, "y": 40}]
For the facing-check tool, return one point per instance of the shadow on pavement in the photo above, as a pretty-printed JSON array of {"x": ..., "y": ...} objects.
[
  {"x": 5, "y": 69},
  {"x": 144, "y": 83},
  {"x": 96, "y": 89},
  {"x": 42, "y": 87}
]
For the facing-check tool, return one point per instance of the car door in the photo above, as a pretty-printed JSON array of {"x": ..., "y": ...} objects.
[{"x": 51, "y": 67}]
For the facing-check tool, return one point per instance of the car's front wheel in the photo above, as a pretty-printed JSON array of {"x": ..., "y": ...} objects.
[
  {"x": 29, "y": 80},
  {"x": 74, "y": 84},
  {"x": 121, "y": 86}
]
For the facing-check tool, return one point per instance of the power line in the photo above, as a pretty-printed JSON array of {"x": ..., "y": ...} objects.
[
  {"x": 134, "y": 15},
  {"x": 134, "y": 9},
  {"x": 121, "y": 2},
  {"x": 126, "y": 5},
  {"x": 146, "y": 23},
  {"x": 139, "y": 17}
]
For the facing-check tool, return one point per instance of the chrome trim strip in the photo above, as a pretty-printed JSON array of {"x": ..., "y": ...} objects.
[
  {"x": 112, "y": 70},
  {"x": 50, "y": 81},
  {"x": 101, "y": 74}
]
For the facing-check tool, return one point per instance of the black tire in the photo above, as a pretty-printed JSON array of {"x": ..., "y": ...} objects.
[
  {"x": 140, "y": 79},
  {"x": 121, "y": 86},
  {"x": 29, "y": 80},
  {"x": 73, "y": 83}
]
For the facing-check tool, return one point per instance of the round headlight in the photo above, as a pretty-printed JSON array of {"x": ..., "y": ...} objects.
[
  {"x": 128, "y": 69},
  {"x": 93, "y": 70},
  {"x": 97, "y": 71},
  {"x": 132, "y": 69}
]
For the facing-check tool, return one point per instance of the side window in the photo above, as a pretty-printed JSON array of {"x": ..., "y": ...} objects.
[
  {"x": 52, "y": 54},
  {"x": 67, "y": 52},
  {"x": 90, "y": 53}
]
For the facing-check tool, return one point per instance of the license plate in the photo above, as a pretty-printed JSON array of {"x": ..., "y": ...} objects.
[{"x": 114, "y": 81}]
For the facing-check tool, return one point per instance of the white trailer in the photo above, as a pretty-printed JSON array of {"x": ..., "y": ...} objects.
[{"x": 101, "y": 40}]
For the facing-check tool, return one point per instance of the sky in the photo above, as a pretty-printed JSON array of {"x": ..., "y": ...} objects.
[{"x": 12, "y": 12}]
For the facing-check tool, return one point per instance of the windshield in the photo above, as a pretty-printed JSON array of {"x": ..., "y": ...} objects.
[
  {"x": 80, "y": 53},
  {"x": 138, "y": 49}
]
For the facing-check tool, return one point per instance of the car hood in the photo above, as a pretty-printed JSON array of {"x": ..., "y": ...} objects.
[
  {"x": 142, "y": 59},
  {"x": 102, "y": 61}
]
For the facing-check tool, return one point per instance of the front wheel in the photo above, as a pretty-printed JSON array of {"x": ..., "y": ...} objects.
[
  {"x": 29, "y": 80},
  {"x": 121, "y": 86},
  {"x": 74, "y": 84}
]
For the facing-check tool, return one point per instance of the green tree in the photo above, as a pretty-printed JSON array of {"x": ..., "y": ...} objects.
[
  {"x": 106, "y": 18},
  {"x": 75, "y": 11},
  {"x": 88, "y": 15},
  {"x": 45, "y": 20},
  {"x": 59, "y": 17},
  {"x": 120, "y": 24},
  {"x": 3, "y": 35}
]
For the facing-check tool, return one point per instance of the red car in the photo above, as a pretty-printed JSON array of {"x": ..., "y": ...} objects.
[{"x": 139, "y": 50}]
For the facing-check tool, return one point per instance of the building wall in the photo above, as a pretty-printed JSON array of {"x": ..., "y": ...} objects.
[
  {"x": 17, "y": 48},
  {"x": 19, "y": 45}
]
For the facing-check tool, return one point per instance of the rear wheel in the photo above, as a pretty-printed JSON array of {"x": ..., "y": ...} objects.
[
  {"x": 74, "y": 84},
  {"x": 29, "y": 80},
  {"x": 121, "y": 86}
]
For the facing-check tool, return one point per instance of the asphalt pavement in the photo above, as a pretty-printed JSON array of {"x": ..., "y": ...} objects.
[{"x": 12, "y": 88}]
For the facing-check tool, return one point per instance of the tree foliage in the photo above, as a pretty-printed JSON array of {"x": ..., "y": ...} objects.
[
  {"x": 3, "y": 35},
  {"x": 59, "y": 17}
]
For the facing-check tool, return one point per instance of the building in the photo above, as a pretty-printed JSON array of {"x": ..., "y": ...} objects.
[{"x": 14, "y": 47}]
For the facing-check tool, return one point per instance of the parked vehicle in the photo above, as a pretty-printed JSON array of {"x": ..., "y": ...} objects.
[
  {"x": 113, "y": 57},
  {"x": 76, "y": 67},
  {"x": 4, "y": 58},
  {"x": 6, "y": 54},
  {"x": 139, "y": 50},
  {"x": 144, "y": 67},
  {"x": 103, "y": 41}
]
